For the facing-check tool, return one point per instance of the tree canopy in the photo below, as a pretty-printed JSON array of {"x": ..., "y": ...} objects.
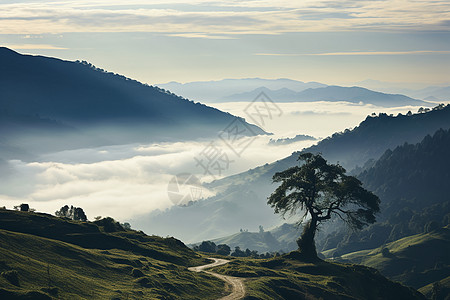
[
  {"x": 74, "y": 213},
  {"x": 318, "y": 191}
]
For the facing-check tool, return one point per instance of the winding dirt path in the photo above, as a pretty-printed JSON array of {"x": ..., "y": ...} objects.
[{"x": 236, "y": 283}]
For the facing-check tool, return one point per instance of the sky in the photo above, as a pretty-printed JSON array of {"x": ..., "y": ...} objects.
[{"x": 330, "y": 41}]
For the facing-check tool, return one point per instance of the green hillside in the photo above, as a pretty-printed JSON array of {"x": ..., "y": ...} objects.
[
  {"x": 288, "y": 278},
  {"x": 440, "y": 289},
  {"x": 43, "y": 257},
  {"x": 416, "y": 261}
]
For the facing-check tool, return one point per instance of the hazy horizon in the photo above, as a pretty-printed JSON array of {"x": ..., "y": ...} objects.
[{"x": 334, "y": 42}]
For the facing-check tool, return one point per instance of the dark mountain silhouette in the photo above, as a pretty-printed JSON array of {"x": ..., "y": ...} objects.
[
  {"x": 413, "y": 171},
  {"x": 331, "y": 94},
  {"x": 412, "y": 183},
  {"x": 376, "y": 134},
  {"x": 76, "y": 96}
]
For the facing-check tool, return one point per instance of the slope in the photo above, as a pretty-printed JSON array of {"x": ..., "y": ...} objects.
[
  {"x": 416, "y": 260},
  {"x": 48, "y": 257},
  {"x": 110, "y": 106},
  {"x": 286, "y": 277},
  {"x": 412, "y": 183}
]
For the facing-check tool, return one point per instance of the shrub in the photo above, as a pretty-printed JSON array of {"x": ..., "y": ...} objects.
[
  {"x": 207, "y": 246},
  {"x": 109, "y": 225},
  {"x": 223, "y": 249}
]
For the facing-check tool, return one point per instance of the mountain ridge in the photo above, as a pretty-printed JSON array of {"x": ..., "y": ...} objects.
[
  {"x": 352, "y": 94},
  {"x": 95, "y": 106}
]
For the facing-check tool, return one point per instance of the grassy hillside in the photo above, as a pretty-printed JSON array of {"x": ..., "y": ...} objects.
[
  {"x": 288, "y": 278},
  {"x": 416, "y": 260},
  {"x": 440, "y": 290},
  {"x": 47, "y": 257}
]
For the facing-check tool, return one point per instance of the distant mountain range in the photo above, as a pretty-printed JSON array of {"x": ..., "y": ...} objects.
[
  {"x": 287, "y": 90},
  {"x": 331, "y": 94},
  {"x": 84, "y": 106},
  {"x": 216, "y": 91},
  {"x": 431, "y": 93}
]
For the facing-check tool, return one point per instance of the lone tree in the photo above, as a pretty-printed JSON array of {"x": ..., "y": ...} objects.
[{"x": 320, "y": 190}]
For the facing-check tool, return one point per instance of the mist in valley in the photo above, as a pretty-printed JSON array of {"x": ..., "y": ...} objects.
[{"x": 130, "y": 181}]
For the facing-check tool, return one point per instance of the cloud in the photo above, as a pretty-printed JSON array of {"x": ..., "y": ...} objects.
[
  {"x": 202, "y": 36},
  {"x": 212, "y": 19},
  {"x": 126, "y": 181},
  {"x": 33, "y": 47},
  {"x": 357, "y": 53}
]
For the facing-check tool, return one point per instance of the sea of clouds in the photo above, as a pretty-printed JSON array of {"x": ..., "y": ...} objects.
[{"x": 125, "y": 181}]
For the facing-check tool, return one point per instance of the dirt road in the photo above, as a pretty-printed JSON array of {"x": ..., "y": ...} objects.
[{"x": 236, "y": 283}]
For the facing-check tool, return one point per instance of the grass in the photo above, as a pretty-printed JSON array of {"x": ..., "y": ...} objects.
[
  {"x": 439, "y": 289},
  {"x": 95, "y": 264},
  {"x": 44, "y": 257},
  {"x": 416, "y": 260},
  {"x": 286, "y": 277}
]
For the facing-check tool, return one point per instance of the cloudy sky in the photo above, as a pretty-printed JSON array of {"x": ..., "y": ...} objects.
[{"x": 330, "y": 41}]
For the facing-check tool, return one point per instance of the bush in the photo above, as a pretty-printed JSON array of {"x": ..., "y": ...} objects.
[
  {"x": 109, "y": 225},
  {"x": 12, "y": 276},
  {"x": 223, "y": 249},
  {"x": 207, "y": 246}
]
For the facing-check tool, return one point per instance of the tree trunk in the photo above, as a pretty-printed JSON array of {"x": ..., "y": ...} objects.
[{"x": 306, "y": 244}]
